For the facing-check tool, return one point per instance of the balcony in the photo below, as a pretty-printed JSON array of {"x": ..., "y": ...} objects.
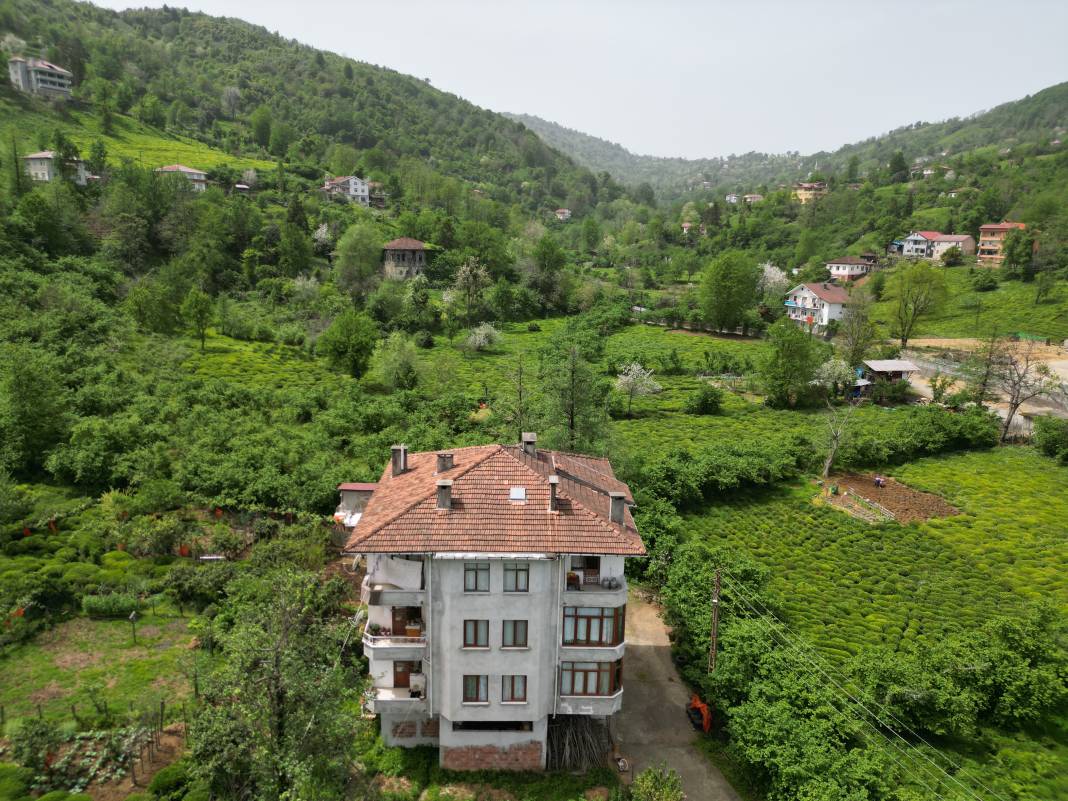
[
  {"x": 590, "y": 704},
  {"x": 374, "y": 593},
  {"x": 589, "y": 592},
  {"x": 395, "y": 701},
  {"x": 394, "y": 647}
]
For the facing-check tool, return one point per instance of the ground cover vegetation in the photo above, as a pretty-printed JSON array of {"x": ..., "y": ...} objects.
[{"x": 185, "y": 374}]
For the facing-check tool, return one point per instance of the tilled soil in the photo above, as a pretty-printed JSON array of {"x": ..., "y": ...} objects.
[{"x": 903, "y": 502}]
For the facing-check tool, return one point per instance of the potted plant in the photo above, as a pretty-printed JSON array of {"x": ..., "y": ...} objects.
[{"x": 374, "y": 629}]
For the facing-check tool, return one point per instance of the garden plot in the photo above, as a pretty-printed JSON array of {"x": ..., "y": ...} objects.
[{"x": 904, "y": 503}]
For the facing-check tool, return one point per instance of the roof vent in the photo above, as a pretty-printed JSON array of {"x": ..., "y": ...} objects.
[
  {"x": 445, "y": 493},
  {"x": 444, "y": 462},
  {"x": 617, "y": 501},
  {"x": 517, "y": 494},
  {"x": 530, "y": 442},
  {"x": 400, "y": 459}
]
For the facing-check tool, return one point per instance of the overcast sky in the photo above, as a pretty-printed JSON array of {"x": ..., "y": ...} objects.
[{"x": 697, "y": 78}]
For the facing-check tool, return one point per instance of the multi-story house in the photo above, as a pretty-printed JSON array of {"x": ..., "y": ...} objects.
[
  {"x": 732, "y": 198},
  {"x": 197, "y": 178},
  {"x": 815, "y": 305},
  {"x": 42, "y": 167},
  {"x": 849, "y": 268},
  {"x": 351, "y": 187},
  {"x": 403, "y": 258},
  {"x": 919, "y": 244},
  {"x": 992, "y": 241},
  {"x": 943, "y": 242},
  {"x": 496, "y": 598},
  {"x": 36, "y": 76}
]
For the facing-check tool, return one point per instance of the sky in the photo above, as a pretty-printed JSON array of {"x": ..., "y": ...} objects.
[{"x": 691, "y": 78}]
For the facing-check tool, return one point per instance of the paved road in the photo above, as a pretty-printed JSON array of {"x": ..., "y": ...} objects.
[{"x": 652, "y": 727}]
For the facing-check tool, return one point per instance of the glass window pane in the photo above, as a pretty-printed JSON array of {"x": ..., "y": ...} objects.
[
  {"x": 483, "y": 578},
  {"x": 580, "y": 682},
  {"x": 520, "y": 688},
  {"x": 523, "y": 577},
  {"x": 595, "y": 630},
  {"x": 566, "y": 683},
  {"x": 603, "y": 677},
  {"x": 569, "y": 629},
  {"x": 483, "y": 688},
  {"x": 521, "y": 633}
]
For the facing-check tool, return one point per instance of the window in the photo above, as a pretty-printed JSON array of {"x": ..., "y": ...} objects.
[
  {"x": 514, "y": 689},
  {"x": 591, "y": 678},
  {"x": 591, "y": 625},
  {"x": 515, "y": 634},
  {"x": 516, "y": 576},
  {"x": 476, "y": 634},
  {"x": 476, "y": 689},
  {"x": 476, "y": 576},
  {"x": 492, "y": 725}
]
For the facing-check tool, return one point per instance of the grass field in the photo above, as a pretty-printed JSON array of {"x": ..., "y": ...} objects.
[
  {"x": 1010, "y": 309},
  {"x": 32, "y": 126}
]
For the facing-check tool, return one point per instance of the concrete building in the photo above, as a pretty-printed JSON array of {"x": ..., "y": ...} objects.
[
  {"x": 42, "y": 167},
  {"x": 403, "y": 258},
  {"x": 563, "y": 215},
  {"x": 850, "y": 268},
  {"x": 807, "y": 192},
  {"x": 36, "y": 76},
  {"x": 919, "y": 244},
  {"x": 496, "y": 599},
  {"x": 944, "y": 242},
  {"x": 732, "y": 198},
  {"x": 351, "y": 187},
  {"x": 752, "y": 198},
  {"x": 992, "y": 241},
  {"x": 198, "y": 178},
  {"x": 815, "y": 305}
]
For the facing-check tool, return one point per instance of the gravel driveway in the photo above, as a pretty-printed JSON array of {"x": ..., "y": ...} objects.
[{"x": 652, "y": 726}]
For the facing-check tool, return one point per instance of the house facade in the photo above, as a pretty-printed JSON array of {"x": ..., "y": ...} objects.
[
  {"x": 807, "y": 192},
  {"x": 198, "y": 179},
  {"x": 42, "y": 167},
  {"x": 403, "y": 258},
  {"x": 919, "y": 244},
  {"x": 944, "y": 242},
  {"x": 815, "y": 305},
  {"x": 350, "y": 187},
  {"x": 496, "y": 599},
  {"x": 732, "y": 198},
  {"x": 850, "y": 268},
  {"x": 889, "y": 369},
  {"x": 752, "y": 198},
  {"x": 563, "y": 215},
  {"x": 36, "y": 76},
  {"x": 992, "y": 241}
]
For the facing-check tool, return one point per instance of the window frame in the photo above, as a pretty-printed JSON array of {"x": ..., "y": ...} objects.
[
  {"x": 481, "y": 685},
  {"x": 479, "y": 629},
  {"x": 508, "y": 689},
  {"x": 517, "y": 625},
  {"x": 476, "y": 570},
  {"x": 606, "y": 674},
  {"x": 517, "y": 569},
  {"x": 612, "y": 621}
]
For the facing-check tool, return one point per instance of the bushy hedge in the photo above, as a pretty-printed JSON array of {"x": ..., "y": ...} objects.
[
  {"x": 1051, "y": 437},
  {"x": 115, "y": 604},
  {"x": 907, "y": 434}
]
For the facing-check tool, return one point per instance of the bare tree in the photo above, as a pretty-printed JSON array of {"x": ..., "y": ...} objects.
[
  {"x": 915, "y": 291},
  {"x": 979, "y": 369},
  {"x": 835, "y": 375},
  {"x": 856, "y": 333},
  {"x": 231, "y": 100},
  {"x": 516, "y": 403},
  {"x": 1022, "y": 376}
]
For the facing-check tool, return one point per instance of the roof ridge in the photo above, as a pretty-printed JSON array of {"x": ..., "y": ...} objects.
[{"x": 494, "y": 448}]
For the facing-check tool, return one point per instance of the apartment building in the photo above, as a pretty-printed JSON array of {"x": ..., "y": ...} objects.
[
  {"x": 36, "y": 76},
  {"x": 43, "y": 166},
  {"x": 808, "y": 191},
  {"x": 496, "y": 599},
  {"x": 351, "y": 187},
  {"x": 992, "y": 241}
]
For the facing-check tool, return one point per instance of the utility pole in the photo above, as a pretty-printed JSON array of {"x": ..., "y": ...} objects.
[{"x": 715, "y": 625}]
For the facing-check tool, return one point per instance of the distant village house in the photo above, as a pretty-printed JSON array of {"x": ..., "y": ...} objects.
[
  {"x": 992, "y": 241},
  {"x": 806, "y": 192},
  {"x": 816, "y": 305},
  {"x": 850, "y": 268},
  {"x": 350, "y": 187},
  {"x": 42, "y": 167},
  {"x": 943, "y": 242},
  {"x": 732, "y": 198},
  {"x": 889, "y": 369},
  {"x": 563, "y": 215},
  {"x": 752, "y": 198},
  {"x": 198, "y": 178},
  {"x": 403, "y": 258},
  {"x": 36, "y": 76}
]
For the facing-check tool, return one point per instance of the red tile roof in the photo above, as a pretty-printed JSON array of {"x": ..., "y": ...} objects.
[
  {"x": 1003, "y": 226},
  {"x": 404, "y": 243},
  {"x": 927, "y": 234},
  {"x": 829, "y": 293},
  {"x": 357, "y": 485},
  {"x": 402, "y": 514}
]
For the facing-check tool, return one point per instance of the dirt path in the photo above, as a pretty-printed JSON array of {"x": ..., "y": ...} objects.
[{"x": 652, "y": 727}]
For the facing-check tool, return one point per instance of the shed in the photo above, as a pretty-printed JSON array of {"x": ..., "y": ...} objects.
[{"x": 889, "y": 369}]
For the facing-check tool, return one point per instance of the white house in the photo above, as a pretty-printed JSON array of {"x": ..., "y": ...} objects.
[
  {"x": 815, "y": 305},
  {"x": 919, "y": 244},
  {"x": 752, "y": 198},
  {"x": 349, "y": 186},
  {"x": 36, "y": 76},
  {"x": 563, "y": 215},
  {"x": 496, "y": 599},
  {"x": 944, "y": 242},
  {"x": 42, "y": 167},
  {"x": 732, "y": 198},
  {"x": 198, "y": 178},
  {"x": 849, "y": 268}
]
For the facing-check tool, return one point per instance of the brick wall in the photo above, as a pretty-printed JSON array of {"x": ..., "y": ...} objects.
[
  {"x": 431, "y": 728},
  {"x": 404, "y": 729},
  {"x": 526, "y": 756}
]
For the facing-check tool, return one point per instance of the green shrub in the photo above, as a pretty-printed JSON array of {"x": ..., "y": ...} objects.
[
  {"x": 14, "y": 781},
  {"x": 423, "y": 339},
  {"x": 55, "y": 795},
  {"x": 170, "y": 781},
  {"x": 533, "y": 327},
  {"x": 33, "y": 741},
  {"x": 707, "y": 400},
  {"x": 984, "y": 281},
  {"x": 1051, "y": 437},
  {"x": 115, "y": 604},
  {"x": 197, "y": 791},
  {"x": 292, "y": 334}
]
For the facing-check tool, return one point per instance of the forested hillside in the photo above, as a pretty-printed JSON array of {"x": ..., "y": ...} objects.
[{"x": 1026, "y": 127}]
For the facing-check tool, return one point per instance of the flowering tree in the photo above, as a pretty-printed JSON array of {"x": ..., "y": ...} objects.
[
  {"x": 636, "y": 380},
  {"x": 483, "y": 337}
]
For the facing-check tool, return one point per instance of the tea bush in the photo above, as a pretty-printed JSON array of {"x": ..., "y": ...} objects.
[{"x": 113, "y": 604}]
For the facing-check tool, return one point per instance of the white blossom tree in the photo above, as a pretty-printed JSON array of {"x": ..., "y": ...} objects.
[
  {"x": 835, "y": 375},
  {"x": 483, "y": 337},
  {"x": 634, "y": 381}
]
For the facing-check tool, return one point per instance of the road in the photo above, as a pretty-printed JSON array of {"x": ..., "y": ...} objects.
[{"x": 652, "y": 726}]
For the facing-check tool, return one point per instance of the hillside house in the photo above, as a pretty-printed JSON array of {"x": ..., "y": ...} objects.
[
  {"x": 378, "y": 194},
  {"x": 752, "y": 198},
  {"x": 992, "y": 241},
  {"x": 403, "y": 258},
  {"x": 889, "y": 369},
  {"x": 198, "y": 179},
  {"x": 815, "y": 305},
  {"x": 35, "y": 76},
  {"x": 944, "y": 242},
  {"x": 919, "y": 244},
  {"x": 354, "y": 496},
  {"x": 496, "y": 599},
  {"x": 806, "y": 192},
  {"x": 350, "y": 187},
  {"x": 563, "y": 215},
  {"x": 43, "y": 167},
  {"x": 850, "y": 268},
  {"x": 732, "y": 198}
]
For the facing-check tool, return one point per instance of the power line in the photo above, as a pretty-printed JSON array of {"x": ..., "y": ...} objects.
[{"x": 798, "y": 644}]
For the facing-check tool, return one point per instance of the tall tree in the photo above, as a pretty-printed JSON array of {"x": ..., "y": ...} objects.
[
  {"x": 916, "y": 290},
  {"x": 470, "y": 285},
  {"x": 197, "y": 313},
  {"x": 517, "y": 402},
  {"x": 729, "y": 290},
  {"x": 789, "y": 364},
  {"x": 359, "y": 255},
  {"x": 349, "y": 342},
  {"x": 1022, "y": 375},
  {"x": 573, "y": 393},
  {"x": 635, "y": 381},
  {"x": 260, "y": 122},
  {"x": 856, "y": 333}
]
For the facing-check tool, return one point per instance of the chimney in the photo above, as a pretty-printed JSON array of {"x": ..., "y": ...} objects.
[
  {"x": 615, "y": 510},
  {"x": 554, "y": 481},
  {"x": 530, "y": 441},
  {"x": 445, "y": 493},
  {"x": 400, "y": 459},
  {"x": 444, "y": 462}
]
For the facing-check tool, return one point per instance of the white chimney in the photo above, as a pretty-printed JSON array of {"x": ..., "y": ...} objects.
[
  {"x": 445, "y": 493},
  {"x": 400, "y": 459},
  {"x": 617, "y": 501},
  {"x": 530, "y": 442},
  {"x": 444, "y": 462},
  {"x": 554, "y": 481}
]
